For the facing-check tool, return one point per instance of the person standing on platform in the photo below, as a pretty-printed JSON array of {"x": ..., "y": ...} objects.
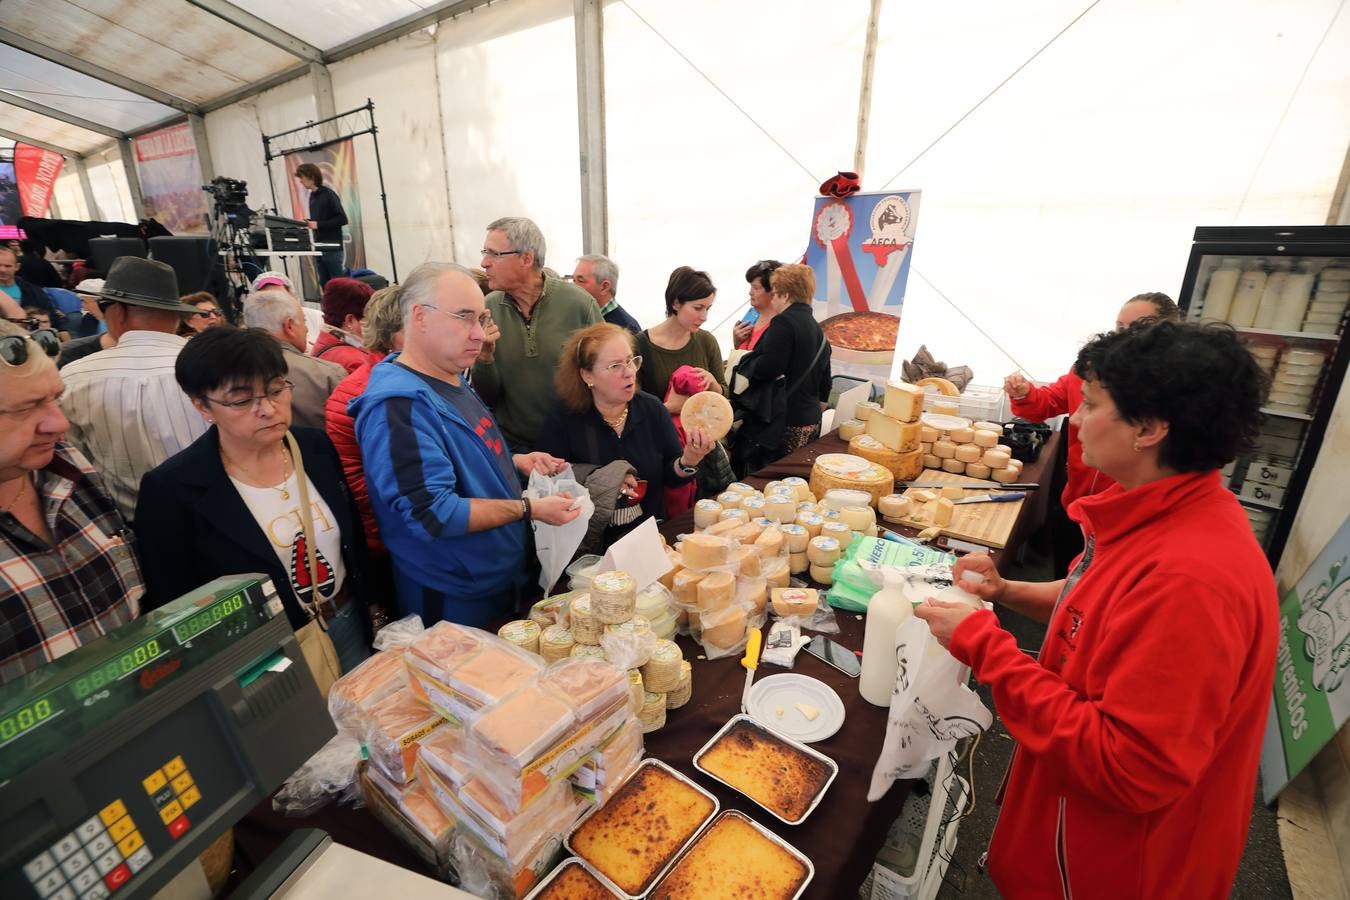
[
  {"x": 326, "y": 218},
  {"x": 598, "y": 276},
  {"x": 127, "y": 413},
  {"x": 1139, "y": 724},
  {"x": 312, "y": 380},
  {"x": 441, "y": 476},
  {"x": 532, "y": 316},
  {"x": 68, "y": 568},
  {"x": 1036, "y": 404}
]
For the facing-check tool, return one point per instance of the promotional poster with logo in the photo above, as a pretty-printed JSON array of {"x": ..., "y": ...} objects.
[
  {"x": 337, "y": 162},
  {"x": 1311, "y": 698},
  {"x": 860, "y": 248},
  {"x": 171, "y": 179},
  {"x": 11, "y": 210}
]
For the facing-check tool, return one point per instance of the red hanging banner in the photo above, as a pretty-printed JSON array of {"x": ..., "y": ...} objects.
[{"x": 36, "y": 170}]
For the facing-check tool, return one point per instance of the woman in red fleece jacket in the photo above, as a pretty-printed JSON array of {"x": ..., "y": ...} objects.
[
  {"x": 1139, "y": 727},
  {"x": 1036, "y": 404}
]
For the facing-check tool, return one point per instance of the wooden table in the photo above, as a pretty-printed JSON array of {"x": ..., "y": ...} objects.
[{"x": 841, "y": 837}]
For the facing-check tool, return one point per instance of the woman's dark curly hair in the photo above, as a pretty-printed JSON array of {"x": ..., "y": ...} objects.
[{"x": 1199, "y": 379}]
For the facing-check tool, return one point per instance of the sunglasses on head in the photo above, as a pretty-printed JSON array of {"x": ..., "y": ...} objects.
[{"x": 14, "y": 348}]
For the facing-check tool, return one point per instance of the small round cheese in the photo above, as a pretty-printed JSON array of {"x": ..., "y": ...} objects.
[
  {"x": 986, "y": 438},
  {"x": 931, "y": 461},
  {"x": 740, "y": 487},
  {"x": 955, "y": 466},
  {"x": 680, "y": 696},
  {"x": 946, "y": 408},
  {"x": 811, "y": 521},
  {"x": 613, "y": 597},
  {"x": 652, "y": 716},
  {"x": 747, "y": 561},
  {"x": 989, "y": 426},
  {"x": 797, "y": 563},
  {"x": 556, "y": 642},
  {"x": 523, "y": 633},
  {"x": 717, "y": 589},
  {"x": 822, "y": 574},
  {"x": 800, "y": 488},
  {"x": 996, "y": 459},
  {"x": 796, "y": 536},
  {"x": 968, "y": 453},
  {"x": 795, "y": 601},
  {"x": 858, "y": 518},
  {"x": 1003, "y": 447},
  {"x": 739, "y": 515},
  {"x": 662, "y": 671},
  {"x": 706, "y": 513},
  {"x": 729, "y": 499},
  {"x": 977, "y": 470},
  {"x": 865, "y": 410},
  {"x": 1004, "y": 476},
  {"x": 928, "y": 434},
  {"x": 851, "y": 428},
  {"x": 781, "y": 507},
  {"x": 944, "y": 449},
  {"x": 894, "y": 506},
  {"x": 823, "y": 551},
  {"x": 926, "y": 448},
  {"x": 837, "y": 530},
  {"x": 961, "y": 435}
]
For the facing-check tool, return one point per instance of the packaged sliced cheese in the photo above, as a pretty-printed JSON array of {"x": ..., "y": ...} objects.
[
  {"x": 367, "y": 684},
  {"x": 396, "y": 724},
  {"x": 521, "y": 727},
  {"x": 442, "y": 647},
  {"x": 417, "y": 811},
  {"x": 496, "y": 670},
  {"x": 442, "y": 752},
  {"x": 589, "y": 686}
]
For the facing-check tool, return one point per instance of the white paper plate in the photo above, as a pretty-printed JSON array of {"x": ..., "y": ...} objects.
[
  {"x": 768, "y": 695},
  {"x": 944, "y": 423}
]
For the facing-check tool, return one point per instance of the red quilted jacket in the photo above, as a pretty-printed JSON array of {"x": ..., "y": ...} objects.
[
  {"x": 341, "y": 430},
  {"x": 1060, "y": 398}
]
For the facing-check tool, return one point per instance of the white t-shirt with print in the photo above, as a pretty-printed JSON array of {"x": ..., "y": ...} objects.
[{"x": 280, "y": 521}]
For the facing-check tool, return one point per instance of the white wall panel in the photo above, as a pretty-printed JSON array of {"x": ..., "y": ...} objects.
[
  {"x": 69, "y": 195},
  {"x": 507, "y": 78},
  {"x": 400, "y": 77},
  {"x": 1081, "y": 181},
  {"x": 109, "y": 184},
  {"x": 691, "y": 180}
]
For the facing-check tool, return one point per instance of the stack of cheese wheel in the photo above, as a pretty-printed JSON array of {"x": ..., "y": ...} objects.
[
  {"x": 891, "y": 436},
  {"x": 956, "y": 445},
  {"x": 845, "y": 470}
]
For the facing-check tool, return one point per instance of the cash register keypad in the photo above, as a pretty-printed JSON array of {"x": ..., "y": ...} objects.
[{"x": 94, "y": 860}]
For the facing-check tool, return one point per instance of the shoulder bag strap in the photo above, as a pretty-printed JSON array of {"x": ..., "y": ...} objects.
[{"x": 306, "y": 514}]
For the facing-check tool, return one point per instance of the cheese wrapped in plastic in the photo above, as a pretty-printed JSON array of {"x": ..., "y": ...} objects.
[
  {"x": 443, "y": 647},
  {"x": 589, "y": 686},
  {"x": 396, "y": 724},
  {"x": 495, "y": 671},
  {"x": 367, "y": 684},
  {"x": 442, "y": 752},
  {"x": 518, "y": 729}
]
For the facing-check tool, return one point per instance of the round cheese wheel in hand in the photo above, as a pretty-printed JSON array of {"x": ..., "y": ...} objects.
[{"x": 708, "y": 410}]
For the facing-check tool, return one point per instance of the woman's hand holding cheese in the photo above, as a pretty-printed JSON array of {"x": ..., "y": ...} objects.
[{"x": 697, "y": 445}]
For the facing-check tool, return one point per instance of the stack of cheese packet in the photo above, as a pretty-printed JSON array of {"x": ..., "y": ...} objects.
[{"x": 967, "y": 448}]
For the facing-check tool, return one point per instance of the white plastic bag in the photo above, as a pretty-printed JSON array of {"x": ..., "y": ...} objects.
[
  {"x": 930, "y": 709},
  {"x": 330, "y": 774},
  {"x": 555, "y": 544}
]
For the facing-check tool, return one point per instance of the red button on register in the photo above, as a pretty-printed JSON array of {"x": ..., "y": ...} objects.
[
  {"x": 117, "y": 877},
  {"x": 177, "y": 827}
]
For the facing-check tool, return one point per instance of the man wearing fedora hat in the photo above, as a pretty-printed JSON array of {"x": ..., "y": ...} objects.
[{"x": 127, "y": 413}]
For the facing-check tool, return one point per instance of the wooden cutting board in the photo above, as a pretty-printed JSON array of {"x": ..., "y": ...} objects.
[{"x": 988, "y": 524}]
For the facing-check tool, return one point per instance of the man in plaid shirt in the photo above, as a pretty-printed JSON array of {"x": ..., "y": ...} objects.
[{"x": 68, "y": 570}]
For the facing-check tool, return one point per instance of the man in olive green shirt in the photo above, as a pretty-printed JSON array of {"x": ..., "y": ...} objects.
[{"x": 533, "y": 315}]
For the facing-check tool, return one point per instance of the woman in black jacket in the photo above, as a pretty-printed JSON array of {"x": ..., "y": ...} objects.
[
  {"x": 231, "y": 502},
  {"x": 787, "y": 377}
]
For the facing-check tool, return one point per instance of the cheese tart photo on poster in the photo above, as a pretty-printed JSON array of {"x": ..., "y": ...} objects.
[{"x": 860, "y": 247}]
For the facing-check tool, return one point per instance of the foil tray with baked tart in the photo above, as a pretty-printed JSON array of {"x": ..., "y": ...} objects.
[
  {"x": 737, "y": 857},
  {"x": 862, "y": 337},
  {"x": 574, "y": 879},
  {"x": 784, "y": 777},
  {"x": 634, "y": 838}
]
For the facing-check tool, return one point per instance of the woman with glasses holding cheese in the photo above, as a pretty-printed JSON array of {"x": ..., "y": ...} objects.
[
  {"x": 255, "y": 494},
  {"x": 603, "y": 417}
]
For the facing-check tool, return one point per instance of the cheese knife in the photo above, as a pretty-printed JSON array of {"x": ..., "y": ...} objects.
[
  {"x": 991, "y": 498},
  {"x": 984, "y": 486},
  {"x": 751, "y": 662}
]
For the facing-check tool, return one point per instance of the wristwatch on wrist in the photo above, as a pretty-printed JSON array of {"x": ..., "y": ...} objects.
[{"x": 685, "y": 470}]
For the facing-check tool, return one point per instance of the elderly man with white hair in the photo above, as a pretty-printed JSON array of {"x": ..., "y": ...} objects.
[
  {"x": 68, "y": 569},
  {"x": 532, "y": 316},
  {"x": 598, "y": 275},
  {"x": 443, "y": 482},
  {"x": 313, "y": 317},
  {"x": 276, "y": 311}
]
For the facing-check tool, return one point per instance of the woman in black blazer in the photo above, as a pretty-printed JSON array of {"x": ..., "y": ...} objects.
[{"x": 231, "y": 502}]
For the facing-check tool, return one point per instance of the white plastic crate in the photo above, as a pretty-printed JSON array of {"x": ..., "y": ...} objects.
[
  {"x": 985, "y": 403},
  {"x": 935, "y": 819}
]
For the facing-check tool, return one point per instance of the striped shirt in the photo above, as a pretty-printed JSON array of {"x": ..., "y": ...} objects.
[
  {"x": 56, "y": 598},
  {"x": 127, "y": 413}
]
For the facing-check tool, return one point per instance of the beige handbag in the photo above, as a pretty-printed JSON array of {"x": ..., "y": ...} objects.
[{"x": 315, "y": 643}]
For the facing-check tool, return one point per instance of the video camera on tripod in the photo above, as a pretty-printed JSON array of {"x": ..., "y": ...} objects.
[{"x": 231, "y": 200}]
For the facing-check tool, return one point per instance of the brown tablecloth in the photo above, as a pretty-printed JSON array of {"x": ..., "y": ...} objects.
[{"x": 844, "y": 833}]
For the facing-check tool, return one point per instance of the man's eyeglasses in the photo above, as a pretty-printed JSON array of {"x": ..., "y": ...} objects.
[
  {"x": 272, "y": 395},
  {"x": 623, "y": 365},
  {"x": 498, "y": 254},
  {"x": 484, "y": 319},
  {"x": 14, "y": 347}
]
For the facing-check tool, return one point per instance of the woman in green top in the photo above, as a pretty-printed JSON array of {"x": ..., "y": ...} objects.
[{"x": 680, "y": 340}]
